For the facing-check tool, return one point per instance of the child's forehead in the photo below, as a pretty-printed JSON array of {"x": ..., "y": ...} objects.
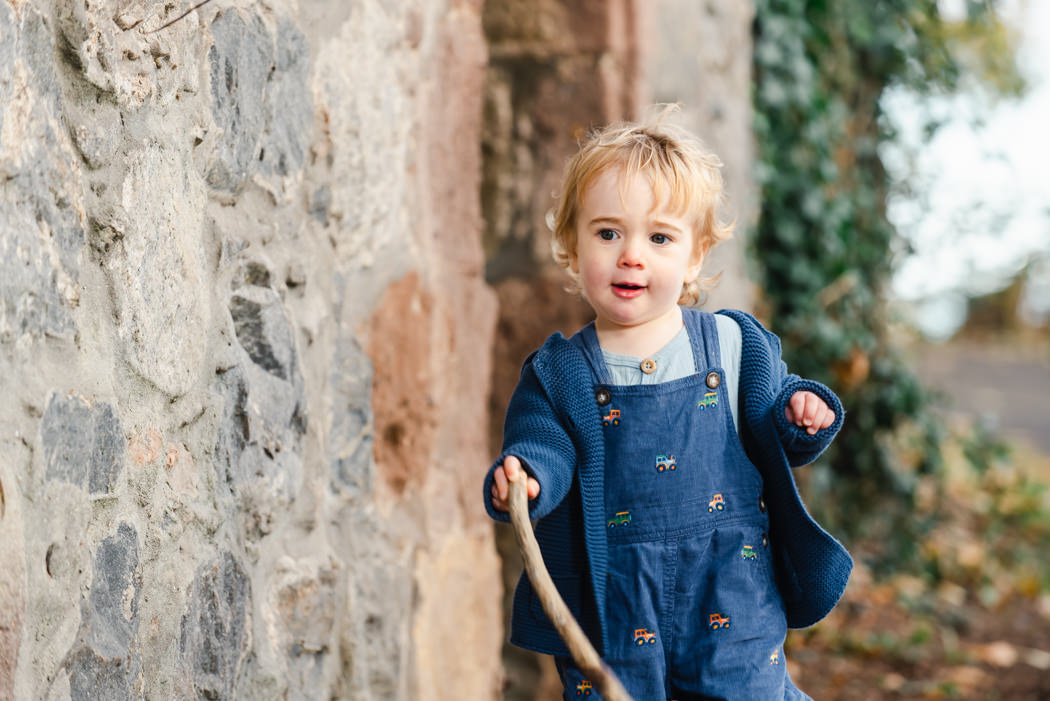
[{"x": 667, "y": 193}]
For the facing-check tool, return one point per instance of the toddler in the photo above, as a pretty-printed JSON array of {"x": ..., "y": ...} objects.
[{"x": 658, "y": 441}]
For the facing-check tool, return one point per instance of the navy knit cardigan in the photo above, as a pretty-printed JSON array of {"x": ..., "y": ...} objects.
[{"x": 553, "y": 426}]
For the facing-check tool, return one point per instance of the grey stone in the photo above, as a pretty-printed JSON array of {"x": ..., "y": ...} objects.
[
  {"x": 264, "y": 334},
  {"x": 8, "y": 51},
  {"x": 92, "y": 677},
  {"x": 42, "y": 189},
  {"x": 41, "y": 233},
  {"x": 235, "y": 427},
  {"x": 112, "y": 615},
  {"x": 376, "y": 642},
  {"x": 291, "y": 113},
  {"x": 215, "y": 628},
  {"x": 37, "y": 47},
  {"x": 32, "y": 302},
  {"x": 103, "y": 663},
  {"x": 259, "y": 440},
  {"x": 255, "y": 274},
  {"x": 321, "y": 203},
  {"x": 241, "y": 58},
  {"x": 350, "y": 434},
  {"x": 309, "y": 611},
  {"x": 83, "y": 443}
]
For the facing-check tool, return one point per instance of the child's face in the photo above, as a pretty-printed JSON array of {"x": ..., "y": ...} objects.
[{"x": 632, "y": 257}]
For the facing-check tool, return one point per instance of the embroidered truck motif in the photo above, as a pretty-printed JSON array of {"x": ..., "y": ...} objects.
[
  {"x": 622, "y": 518},
  {"x": 748, "y": 553},
  {"x": 716, "y": 503},
  {"x": 717, "y": 620},
  {"x": 643, "y": 636},
  {"x": 613, "y": 417},
  {"x": 583, "y": 688},
  {"x": 665, "y": 462},
  {"x": 710, "y": 399},
  {"x": 775, "y": 657}
]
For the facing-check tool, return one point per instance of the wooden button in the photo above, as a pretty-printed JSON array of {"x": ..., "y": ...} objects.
[
  {"x": 648, "y": 366},
  {"x": 713, "y": 380},
  {"x": 603, "y": 397}
]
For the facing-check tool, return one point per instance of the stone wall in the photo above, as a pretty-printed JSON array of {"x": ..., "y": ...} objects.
[{"x": 244, "y": 350}]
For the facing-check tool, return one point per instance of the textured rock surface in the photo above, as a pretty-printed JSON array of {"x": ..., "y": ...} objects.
[
  {"x": 83, "y": 444},
  {"x": 215, "y": 634},
  {"x": 102, "y": 663},
  {"x": 221, "y": 242}
]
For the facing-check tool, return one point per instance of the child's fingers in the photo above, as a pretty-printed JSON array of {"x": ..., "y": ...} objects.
[
  {"x": 499, "y": 483},
  {"x": 510, "y": 471},
  {"x": 812, "y": 410},
  {"x": 796, "y": 408},
  {"x": 827, "y": 419},
  {"x": 818, "y": 414},
  {"x": 807, "y": 410},
  {"x": 512, "y": 466}
]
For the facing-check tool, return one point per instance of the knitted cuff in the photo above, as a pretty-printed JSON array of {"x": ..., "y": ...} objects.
[{"x": 795, "y": 439}]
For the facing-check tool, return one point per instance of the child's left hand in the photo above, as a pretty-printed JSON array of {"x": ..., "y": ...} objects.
[{"x": 807, "y": 410}]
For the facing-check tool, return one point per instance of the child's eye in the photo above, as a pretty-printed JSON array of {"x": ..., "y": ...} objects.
[
  {"x": 660, "y": 239},
  {"x": 607, "y": 234}
]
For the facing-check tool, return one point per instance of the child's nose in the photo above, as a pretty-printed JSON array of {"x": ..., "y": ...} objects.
[{"x": 631, "y": 254}]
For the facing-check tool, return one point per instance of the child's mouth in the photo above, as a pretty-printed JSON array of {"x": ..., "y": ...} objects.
[{"x": 627, "y": 289}]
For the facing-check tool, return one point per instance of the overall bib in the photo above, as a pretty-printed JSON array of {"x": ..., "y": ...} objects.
[{"x": 692, "y": 608}]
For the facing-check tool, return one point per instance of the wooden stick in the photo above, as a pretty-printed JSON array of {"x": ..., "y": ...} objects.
[{"x": 583, "y": 653}]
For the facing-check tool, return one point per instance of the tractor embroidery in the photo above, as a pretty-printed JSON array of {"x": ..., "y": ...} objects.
[
  {"x": 717, "y": 620},
  {"x": 613, "y": 417},
  {"x": 665, "y": 462},
  {"x": 716, "y": 503},
  {"x": 748, "y": 553},
  {"x": 775, "y": 657},
  {"x": 622, "y": 518},
  {"x": 710, "y": 399},
  {"x": 583, "y": 688},
  {"x": 643, "y": 636}
]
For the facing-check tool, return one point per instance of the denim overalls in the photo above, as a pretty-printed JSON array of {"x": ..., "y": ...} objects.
[{"x": 692, "y": 609}]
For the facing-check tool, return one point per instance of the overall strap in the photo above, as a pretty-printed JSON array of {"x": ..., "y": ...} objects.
[
  {"x": 703, "y": 336},
  {"x": 587, "y": 341}
]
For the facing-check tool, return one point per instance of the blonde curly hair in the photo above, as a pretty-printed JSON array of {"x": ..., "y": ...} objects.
[{"x": 680, "y": 168}]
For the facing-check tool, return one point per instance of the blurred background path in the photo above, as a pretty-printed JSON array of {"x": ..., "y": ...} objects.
[{"x": 1007, "y": 386}]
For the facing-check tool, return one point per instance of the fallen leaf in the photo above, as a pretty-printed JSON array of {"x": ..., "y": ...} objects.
[
  {"x": 1040, "y": 659},
  {"x": 998, "y": 654}
]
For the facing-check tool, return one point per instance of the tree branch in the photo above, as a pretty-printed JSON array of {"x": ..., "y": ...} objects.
[{"x": 583, "y": 653}]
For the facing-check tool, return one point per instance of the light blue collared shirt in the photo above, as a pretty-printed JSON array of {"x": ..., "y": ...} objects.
[{"x": 675, "y": 360}]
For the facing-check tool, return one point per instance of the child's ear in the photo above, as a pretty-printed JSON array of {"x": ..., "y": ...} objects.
[
  {"x": 693, "y": 271},
  {"x": 574, "y": 263}
]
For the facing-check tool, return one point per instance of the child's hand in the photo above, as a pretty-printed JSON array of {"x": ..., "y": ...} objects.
[
  {"x": 510, "y": 471},
  {"x": 806, "y": 409}
]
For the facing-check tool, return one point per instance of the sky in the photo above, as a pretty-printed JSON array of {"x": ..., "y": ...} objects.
[{"x": 980, "y": 206}]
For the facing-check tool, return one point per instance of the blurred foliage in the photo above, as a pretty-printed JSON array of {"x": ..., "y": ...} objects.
[{"x": 823, "y": 244}]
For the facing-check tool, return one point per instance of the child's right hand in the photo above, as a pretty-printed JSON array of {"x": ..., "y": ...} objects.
[{"x": 510, "y": 471}]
